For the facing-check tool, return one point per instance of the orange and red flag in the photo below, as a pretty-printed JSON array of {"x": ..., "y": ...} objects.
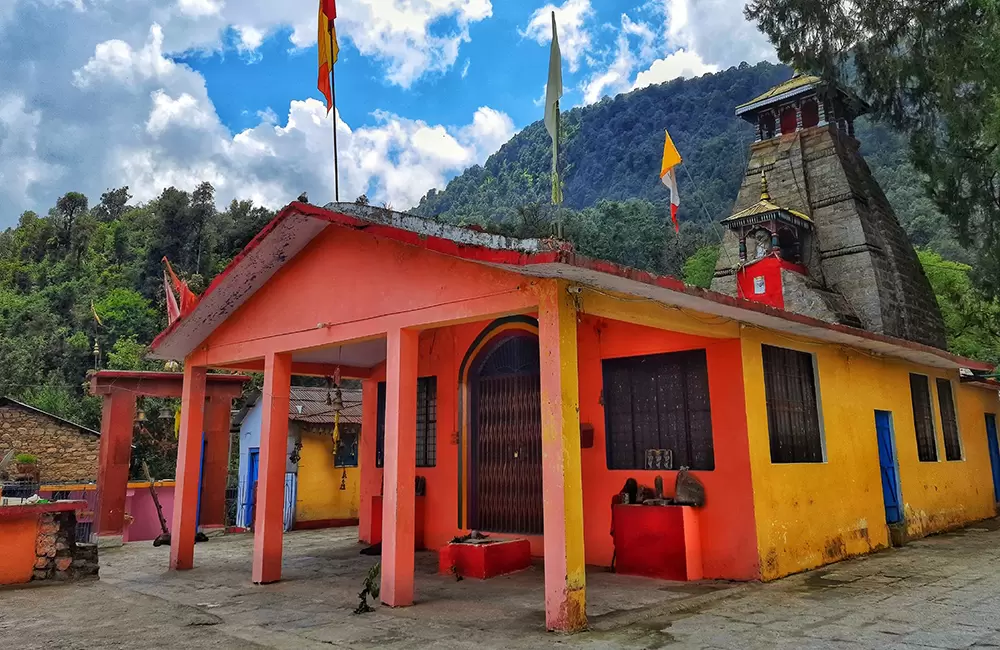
[
  {"x": 329, "y": 50},
  {"x": 188, "y": 298}
]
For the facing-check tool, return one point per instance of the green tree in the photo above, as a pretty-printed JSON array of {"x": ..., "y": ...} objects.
[
  {"x": 700, "y": 267},
  {"x": 929, "y": 68},
  {"x": 971, "y": 318}
]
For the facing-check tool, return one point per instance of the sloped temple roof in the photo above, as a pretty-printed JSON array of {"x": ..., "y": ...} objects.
[{"x": 299, "y": 223}]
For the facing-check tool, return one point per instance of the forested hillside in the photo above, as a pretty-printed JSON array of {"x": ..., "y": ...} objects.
[{"x": 612, "y": 151}]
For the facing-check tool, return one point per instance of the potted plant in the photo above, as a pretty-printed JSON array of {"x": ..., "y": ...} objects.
[{"x": 26, "y": 466}]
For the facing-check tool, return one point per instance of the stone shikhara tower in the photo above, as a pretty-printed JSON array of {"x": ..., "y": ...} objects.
[{"x": 811, "y": 231}]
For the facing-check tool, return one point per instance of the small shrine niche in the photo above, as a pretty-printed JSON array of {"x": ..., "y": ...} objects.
[{"x": 768, "y": 230}]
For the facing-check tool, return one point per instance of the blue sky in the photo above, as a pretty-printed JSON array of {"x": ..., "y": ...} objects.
[{"x": 179, "y": 91}]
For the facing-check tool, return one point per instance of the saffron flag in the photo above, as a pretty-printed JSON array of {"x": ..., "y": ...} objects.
[
  {"x": 553, "y": 93},
  {"x": 188, "y": 299},
  {"x": 668, "y": 175},
  {"x": 329, "y": 50},
  {"x": 173, "y": 310}
]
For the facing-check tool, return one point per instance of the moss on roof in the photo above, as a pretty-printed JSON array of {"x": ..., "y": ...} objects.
[{"x": 797, "y": 81}]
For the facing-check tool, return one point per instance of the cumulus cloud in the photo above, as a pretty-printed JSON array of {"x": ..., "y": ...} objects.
[
  {"x": 677, "y": 64},
  {"x": 575, "y": 38},
  {"x": 696, "y": 37}
]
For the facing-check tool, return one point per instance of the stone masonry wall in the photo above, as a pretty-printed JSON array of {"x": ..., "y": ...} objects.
[
  {"x": 57, "y": 554},
  {"x": 65, "y": 454}
]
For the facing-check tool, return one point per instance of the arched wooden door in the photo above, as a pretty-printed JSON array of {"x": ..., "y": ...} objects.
[{"x": 506, "y": 443}]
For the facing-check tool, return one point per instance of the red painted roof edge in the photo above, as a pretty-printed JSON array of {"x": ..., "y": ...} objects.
[
  {"x": 564, "y": 254},
  {"x": 667, "y": 282}
]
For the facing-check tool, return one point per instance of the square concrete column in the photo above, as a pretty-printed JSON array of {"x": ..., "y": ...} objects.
[
  {"x": 371, "y": 477},
  {"x": 215, "y": 467},
  {"x": 398, "y": 507},
  {"x": 562, "y": 485},
  {"x": 269, "y": 523},
  {"x": 114, "y": 456},
  {"x": 185, "y": 515}
]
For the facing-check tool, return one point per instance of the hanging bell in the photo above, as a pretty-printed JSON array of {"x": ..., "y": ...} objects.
[
  {"x": 140, "y": 416},
  {"x": 338, "y": 401},
  {"x": 165, "y": 414}
]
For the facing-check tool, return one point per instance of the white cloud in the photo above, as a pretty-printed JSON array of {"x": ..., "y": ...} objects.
[
  {"x": 697, "y": 37},
  {"x": 716, "y": 30},
  {"x": 574, "y": 35},
  {"x": 198, "y": 8},
  {"x": 677, "y": 64}
]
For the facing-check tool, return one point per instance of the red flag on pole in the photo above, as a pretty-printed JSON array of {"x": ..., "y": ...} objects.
[
  {"x": 173, "y": 311},
  {"x": 188, "y": 299}
]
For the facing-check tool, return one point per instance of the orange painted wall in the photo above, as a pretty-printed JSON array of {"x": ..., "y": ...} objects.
[
  {"x": 729, "y": 545},
  {"x": 17, "y": 539},
  {"x": 301, "y": 294}
]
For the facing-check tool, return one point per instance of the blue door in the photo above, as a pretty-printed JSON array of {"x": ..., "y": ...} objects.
[
  {"x": 891, "y": 492},
  {"x": 991, "y": 436},
  {"x": 253, "y": 464}
]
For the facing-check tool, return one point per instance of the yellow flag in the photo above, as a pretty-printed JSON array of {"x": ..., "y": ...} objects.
[
  {"x": 329, "y": 49},
  {"x": 670, "y": 156}
]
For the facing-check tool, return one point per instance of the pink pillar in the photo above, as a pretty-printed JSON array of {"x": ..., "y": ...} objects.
[
  {"x": 268, "y": 525},
  {"x": 400, "y": 468},
  {"x": 117, "y": 416},
  {"x": 215, "y": 471},
  {"x": 184, "y": 523},
  {"x": 562, "y": 481},
  {"x": 370, "y": 475}
]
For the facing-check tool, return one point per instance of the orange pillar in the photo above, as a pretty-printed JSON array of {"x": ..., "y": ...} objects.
[
  {"x": 562, "y": 484},
  {"x": 400, "y": 467},
  {"x": 370, "y": 483},
  {"x": 117, "y": 417},
  {"x": 185, "y": 516},
  {"x": 268, "y": 525},
  {"x": 215, "y": 469}
]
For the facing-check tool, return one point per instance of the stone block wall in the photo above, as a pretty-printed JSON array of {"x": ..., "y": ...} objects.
[
  {"x": 58, "y": 556},
  {"x": 65, "y": 453}
]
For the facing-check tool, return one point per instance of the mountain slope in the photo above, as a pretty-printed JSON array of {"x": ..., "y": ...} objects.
[{"x": 612, "y": 152}]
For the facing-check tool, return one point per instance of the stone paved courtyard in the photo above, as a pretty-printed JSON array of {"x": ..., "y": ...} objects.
[{"x": 940, "y": 592}]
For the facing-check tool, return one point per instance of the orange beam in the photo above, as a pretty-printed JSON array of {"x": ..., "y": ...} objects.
[
  {"x": 304, "y": 368},
  {"x": 162, "y": 384},
  {"x": 325, "y": 334}
]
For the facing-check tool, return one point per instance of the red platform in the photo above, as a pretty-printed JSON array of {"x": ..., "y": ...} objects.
[
  {"x": 657, "y": 541},
  {"x": 495, "y": 558},
  {"x": 418, "y": 522}
]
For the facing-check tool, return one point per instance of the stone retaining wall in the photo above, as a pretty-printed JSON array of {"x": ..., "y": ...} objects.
[{"x": 58, "y": 555}]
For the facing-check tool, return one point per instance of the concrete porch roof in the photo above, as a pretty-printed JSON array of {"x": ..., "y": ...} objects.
[{"x": 299, "y": 223}]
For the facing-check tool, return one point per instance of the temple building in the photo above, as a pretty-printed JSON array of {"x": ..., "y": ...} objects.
[{"x": 811, "y": 231}]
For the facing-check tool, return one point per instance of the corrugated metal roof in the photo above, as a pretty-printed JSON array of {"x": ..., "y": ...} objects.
[{"x": 309, "y": 405}]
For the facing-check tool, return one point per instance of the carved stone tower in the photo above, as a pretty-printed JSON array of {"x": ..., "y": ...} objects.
[{"x": 812, "y": 232}]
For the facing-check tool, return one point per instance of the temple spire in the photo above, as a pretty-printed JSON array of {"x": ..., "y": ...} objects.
[{"x": 764, "y": 194}]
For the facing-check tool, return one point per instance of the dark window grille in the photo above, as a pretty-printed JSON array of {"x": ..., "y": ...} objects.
[
  {"x": 426, "y": 423},
  {"x": 792, "y": 407},
  {"x": 949, "y": 421},
  {"x": 923, "y": 418},
  {"x": 658, "y": 402},
  {"x": 347, "y": 446}
]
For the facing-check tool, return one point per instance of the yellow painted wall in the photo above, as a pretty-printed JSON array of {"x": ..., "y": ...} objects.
[
  {"x": 811, "y": 514},
  {"x": 319, "y": 494}
]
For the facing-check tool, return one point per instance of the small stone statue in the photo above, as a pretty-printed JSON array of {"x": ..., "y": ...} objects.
[{"x": 689, "y": 490}]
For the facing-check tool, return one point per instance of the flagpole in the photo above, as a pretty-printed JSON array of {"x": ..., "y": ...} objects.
[
  {"x": 559, "y": 221},
  {"x": 333, "y": 101}
]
